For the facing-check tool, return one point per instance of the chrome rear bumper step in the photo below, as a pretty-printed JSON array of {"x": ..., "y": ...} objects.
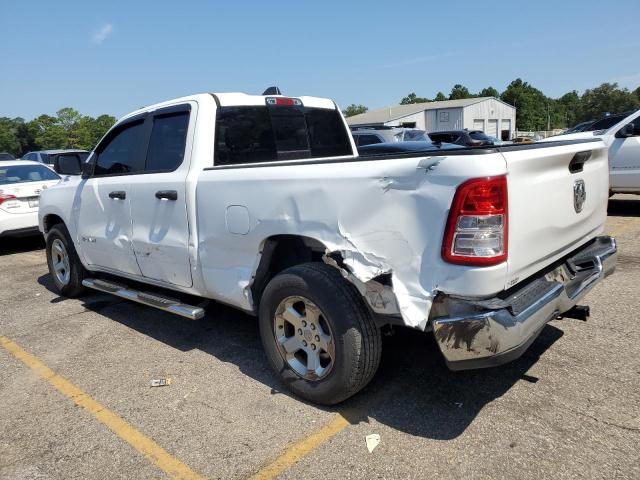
[
  {"x": 490, "y": 332},
  {"x": 154, "y": 300}
]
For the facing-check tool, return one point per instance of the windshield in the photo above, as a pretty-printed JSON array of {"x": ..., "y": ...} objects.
[
  {"x": 480, "y": 136},
  {"x": 416, "y": 135},
  {"x": 25, "y": 174},
  {"x": 606, "y": 123}
]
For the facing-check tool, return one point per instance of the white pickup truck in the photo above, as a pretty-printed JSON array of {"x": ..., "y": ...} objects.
[
  {"x": 623, "y": 142},
  {"x": 262, "y": 203}
]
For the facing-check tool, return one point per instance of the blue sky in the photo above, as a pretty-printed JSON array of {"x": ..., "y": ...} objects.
[{"x": 115, "y": 56}]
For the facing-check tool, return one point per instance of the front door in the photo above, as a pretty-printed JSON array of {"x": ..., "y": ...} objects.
[
  {"x": 624, "y": 155},
  {"x": 158, "y": 200},
  {"x": 103, "y": 211}
]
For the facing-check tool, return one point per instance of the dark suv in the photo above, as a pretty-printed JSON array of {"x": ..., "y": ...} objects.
[{"x": 467, "y": 138}]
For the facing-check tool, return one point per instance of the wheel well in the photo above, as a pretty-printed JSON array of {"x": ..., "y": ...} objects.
[
  {"x": 279, "y": 253},
  {"x": 51, "y": 220}
]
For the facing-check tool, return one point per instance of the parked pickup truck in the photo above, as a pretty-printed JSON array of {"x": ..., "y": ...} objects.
[
  {"x": 262, "y": 203},
  {"x": 623, "y": 141}
]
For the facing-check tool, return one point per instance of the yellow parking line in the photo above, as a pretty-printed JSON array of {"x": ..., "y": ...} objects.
[
  {"x": 143, "y": 444},
  {"x": 302, "y": 448},
  {"x": 625, "y": 227}
]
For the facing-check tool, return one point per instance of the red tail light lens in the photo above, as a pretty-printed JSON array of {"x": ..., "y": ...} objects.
[
  {"x": 477, "y": 228},
  {"x": 4, "y": 197}
]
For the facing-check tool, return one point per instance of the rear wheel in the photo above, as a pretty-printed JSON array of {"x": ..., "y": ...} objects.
[
  {"x": 64, "y": 265},
  {"x": 318, "y": 334}
]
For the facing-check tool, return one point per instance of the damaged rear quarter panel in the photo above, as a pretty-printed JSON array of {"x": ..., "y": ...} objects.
[{"x": 380, "y": 216}]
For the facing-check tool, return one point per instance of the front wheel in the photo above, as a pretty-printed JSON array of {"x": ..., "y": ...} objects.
[
  {"x": 64, "y": 265},
  {"x": 318, "y": 334}
]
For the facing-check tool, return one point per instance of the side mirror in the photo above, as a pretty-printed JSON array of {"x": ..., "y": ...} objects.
[
  {"x": 627, "y": 131},
  {"x": 67, "y": 164}
]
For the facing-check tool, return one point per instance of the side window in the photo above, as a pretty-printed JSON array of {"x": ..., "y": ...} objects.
[
  {"x": 355, "y": 139},
  {"x": 29, "y": 156},
  {"x": 636, "y": 126},
  {"x": 369, "y": 140},
  {"x": 168, "y": 140},
  {"x": 120, "y": 152}
]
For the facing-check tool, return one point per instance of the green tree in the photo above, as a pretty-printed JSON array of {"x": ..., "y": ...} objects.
[
  {"x": 531, "y": 105},
  {"x": 47, "y": 133},
  {"x": 607, "y": 98},
  {"x": 103, "y": 123},
  {"x": 567, "y": 110},
  {"x": 636, "y": 92},
  {"x": 350, "y": 111},
  {"x": 440, "y": 97},
  {"x": 26, "y": 140},
  {"x": 412, "y": 98},
  {"x": 8, "y": 137},
  {"x": 459, "y": 91},
  {"x": 489, "y": 92}
]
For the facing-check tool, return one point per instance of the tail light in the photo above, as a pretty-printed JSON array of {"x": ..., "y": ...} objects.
[
  {"x": 284, "y": 101},
  {"x": 4, "y": 197},
  {"x": 477, "y": 227}
]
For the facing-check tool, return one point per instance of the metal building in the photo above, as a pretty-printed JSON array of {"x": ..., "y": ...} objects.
[{"x": 493, "y": 116}]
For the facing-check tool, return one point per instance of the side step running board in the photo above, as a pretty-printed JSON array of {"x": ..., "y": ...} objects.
[{"x": 150, "y": 299}]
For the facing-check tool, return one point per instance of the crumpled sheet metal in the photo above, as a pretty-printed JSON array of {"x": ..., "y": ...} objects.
[{"x": 381, "y": 217}]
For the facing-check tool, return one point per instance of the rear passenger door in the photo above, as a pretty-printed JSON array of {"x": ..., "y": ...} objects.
[{"x": 160, "y": 224}]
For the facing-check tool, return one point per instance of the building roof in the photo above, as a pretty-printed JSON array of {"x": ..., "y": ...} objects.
[{"x": 388, "y": 114}]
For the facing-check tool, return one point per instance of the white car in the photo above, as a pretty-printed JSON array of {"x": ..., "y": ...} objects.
[
  {"x": 623, "y": 142},
  {"x": 21, "y": 183},
  {"x": 263, "y": 203}
]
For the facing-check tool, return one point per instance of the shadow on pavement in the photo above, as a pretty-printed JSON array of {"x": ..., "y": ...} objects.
[
  {"x": 11, "y": 245},
  {"x": 413, "y": 391},
  {"x": 623, "y": 208}
]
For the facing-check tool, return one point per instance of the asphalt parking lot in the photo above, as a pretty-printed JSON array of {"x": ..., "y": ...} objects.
[{"x": 569, "y": 408}]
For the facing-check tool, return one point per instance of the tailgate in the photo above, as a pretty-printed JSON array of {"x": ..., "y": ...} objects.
[{"x": 555, "y": 204}]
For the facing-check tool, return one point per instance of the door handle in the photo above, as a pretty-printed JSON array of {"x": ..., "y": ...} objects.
[
  {"x": 119, "y": 195},
  {"x": 167, "y": 195}
]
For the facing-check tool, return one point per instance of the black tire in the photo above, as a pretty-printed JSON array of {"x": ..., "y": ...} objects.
[
  {"x": 73, "y": 287},
  {"x": 356, "y": 338}
]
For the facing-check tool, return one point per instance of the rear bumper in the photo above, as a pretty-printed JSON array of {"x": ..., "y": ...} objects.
[
  {"x": 490, "y": 332},
  {"x": 18, "y": 223}
]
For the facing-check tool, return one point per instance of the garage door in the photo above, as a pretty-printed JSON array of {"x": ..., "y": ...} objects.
[
  {"x": 492, "y": 129},
  {"x": 478, "y": 125},
  {"x": 505, "y": 131}
]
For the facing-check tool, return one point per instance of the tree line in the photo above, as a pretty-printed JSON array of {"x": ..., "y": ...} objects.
[
  {"x": 68, "y": 129},
  {"x": 535, "y": 110}
]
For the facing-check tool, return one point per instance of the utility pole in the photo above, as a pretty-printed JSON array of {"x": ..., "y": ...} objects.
[{"x": 548, "y": 117}]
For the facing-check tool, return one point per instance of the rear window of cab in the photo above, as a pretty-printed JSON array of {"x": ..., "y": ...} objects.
[{"x": 252, "y": 134}]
